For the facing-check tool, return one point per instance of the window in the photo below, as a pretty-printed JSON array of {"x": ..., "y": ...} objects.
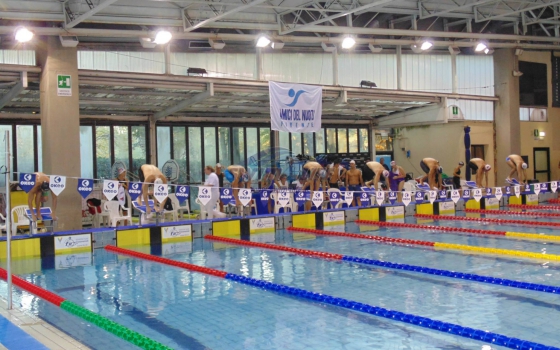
[
  {"x": 224, "y": 140},
  {"x": 180, "y": 151},
  {"x": 139, "y": 147},
  {"x": 320, "y": 141},
  {"x": 364, "y": 140},
  {"x": 308, "y": 143},
  {"x": 533, "y": 86},
  {"x": 195, "y": 155},
  {"x": 163, "y": 145},
  {"x": 103, "y": 151},
  {"x": 331, "y": 141},
  {"x": 238, "y": 150},
  {"x": 209, "y": 146},
  {"x": 25, "y": 148},
  {"x": 353, "y": 140},
  {"x": 342, "y": 141},
  {"x": 86, "y": 151},
  {"x": 120, "y": 144},
  {"x": 296, "y": 143}
]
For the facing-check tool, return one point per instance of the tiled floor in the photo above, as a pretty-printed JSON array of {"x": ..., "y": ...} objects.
[{"x": 44, "y": 333}]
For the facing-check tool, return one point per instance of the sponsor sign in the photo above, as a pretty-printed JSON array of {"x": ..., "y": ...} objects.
[
  {"x": 553, "y": 186},
  {"x": 67, "y": 261},
  {"x": 537, "y": 188},
  {"x": 394, "y": 212},
  {"x": 27, "y": 182},
  {"x": 204, "y": 194},
  {"x": 527, "y": 188},
  {"x": 488, "y": 192},
  {"x": 333, "y": 218},
  {"x": 283, "y": 198},
  {"x": 135, "y": 190},
  {"x": 110, "y": 189},
  {"x": 406, "y": 198},
  {"x": 348, "y": 197},
  {"x": 295, "y": 107},
  {"x": 455, "y": 196},
  {"x": 443, "y": 194},
  {"x": 301, "y": 197},
  {"x": 176, "y": 233},
  {"x": 379, "y": 197},
  {"x": 261, "y": 225},
  {"x": 508, "y": 191},
  {"x": 317, "y": 199},
  {"x": 365, "y": 199},
  {"x": 446, "y": 208},
  {"x": 85, "y": 187},
  {"x": 72, "y": 243},
  {"x": 466, "y": 195},
  {"x": 492, "y": 203},
  {"x": 161, "y": 191},
  {"x": 432, "y": 195},
  {"x": 334, "y": 198},
  {"x": 544, "y": 187},
  {"x": 498, "y": 193},
  {"x": 245, "y": 196},
  {"x": 392, "y": 197},
  {"x": 226, "y": 195},
  {"x": 419, "y": 197},
  {"x": 517, "y": 190},
  {"x": 265, "y": 196},
  {"x": 477, "y": 194},
  {"x": 182, "y": 193},
  {"x": 532, "y": 199},
  {"x": 57, "y": 184}
]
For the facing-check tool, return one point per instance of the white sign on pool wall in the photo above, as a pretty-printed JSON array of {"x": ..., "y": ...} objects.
[
  {"x": 295, "y": 107},
  {"x": 492, "y": 203},
  {"x": 394, "y": 212},
  {"x": 532, "y": 199},
  {"x": 176, "y": 248},
  {"x": 261, "y": 225},
  {"x": 176, "y": 233},
  {"x": 446, "y": 208},
  {"x": 333, "y": 218},
  {"x": 67, "y": 261},
  {"x": 72, "y": 243}
]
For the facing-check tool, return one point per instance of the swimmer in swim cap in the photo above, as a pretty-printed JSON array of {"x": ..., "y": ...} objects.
[
  {"x": 317, "y": 177},
  {"x": 481, "y": 168},
  {"x": 150, "y": 174},
  {"x": 457, "y": 176},
  {"x": 432, "y": 168},
  {"x": 40, "y": 194},
  {"x": 238, "y": 177},
  {"x": 517, "y": 165},
  {"x": 381, "y": 174}
]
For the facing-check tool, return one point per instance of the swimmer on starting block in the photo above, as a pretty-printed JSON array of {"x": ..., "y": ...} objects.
[
  {"x": 396, "y": 179},
  {"x": 238, "y": 177},
  {"x": 481, "y": 168},
  {"x": 40, "y": 194},
  {"x": 516, "y": 164},
  {"x": 150, "y": 174},
  {"x": 380, "y": 174},
  {"x": 354, "y": 181},
  {"x": 316, "y": 180},
  {"x": 433, "y": 170}
]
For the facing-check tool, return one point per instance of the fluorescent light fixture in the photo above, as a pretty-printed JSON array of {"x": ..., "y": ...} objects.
[
  {"x": 480, "y": 47},
  {"x": 147, "y": 43},
  {"x": 263, "y": 41},
  {"x": 454, "y": 50},
  {"x": 426, "y": 45},
  {"x": 277, "y": 45},
  {"x": 488, "y": 51},
  {"x": 216, "y": 43},
  {"x": 348, "y": 42},
  {"x": 163, "y": 37},
  {"x": 23, "y": 35},
  {"x": 375, "y": 48},
  {"x": 542, "y": 134},
  {"x": 328, "y": 47}
]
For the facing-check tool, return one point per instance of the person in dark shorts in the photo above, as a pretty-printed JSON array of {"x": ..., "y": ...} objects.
[
  {"x": 457, "y": 176},
  {"x": 479, "y": 166},
  {"x": 432, "y": 168}
]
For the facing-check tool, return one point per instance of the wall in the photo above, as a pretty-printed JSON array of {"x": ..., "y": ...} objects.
[
  {"x": 443, "y": 142},
  {"x": 551, "y": 128}
]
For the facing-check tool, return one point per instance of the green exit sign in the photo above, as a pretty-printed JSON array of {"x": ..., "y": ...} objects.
[
  {"x": 455, "y": 110},
  {"x": 64, "y": 85}
]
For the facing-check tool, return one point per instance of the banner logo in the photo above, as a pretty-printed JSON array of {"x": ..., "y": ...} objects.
[
  {"x": 57, "y": 184},
  {"x": 27, "y": 182},
  {"x": 295, "y": 107},
  {"x": 85, "y": 187}
]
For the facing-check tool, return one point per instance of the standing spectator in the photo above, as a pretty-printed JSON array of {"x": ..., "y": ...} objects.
[
  {"x": 382, "y": 162},
  {"x": 213, "y": 181},
  {"x": 220, "y": 175}
]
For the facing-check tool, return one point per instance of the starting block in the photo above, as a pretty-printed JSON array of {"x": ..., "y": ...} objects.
[
  {"x": 47, "y": 219},
  {"x": 423, "y": 187},
  {"x": 512, "y": 182},
  {"x": 142, "y": 209},
  {"x": 471, "y": 184}
]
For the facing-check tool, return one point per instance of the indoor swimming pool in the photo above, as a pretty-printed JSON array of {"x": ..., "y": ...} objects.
[{"x": 190, "y": 310}]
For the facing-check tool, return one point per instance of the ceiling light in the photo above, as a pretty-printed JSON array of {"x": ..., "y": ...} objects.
[
  {"x": 147, "y": 43},
  {"x": 277, "y": 45},
  {"x": 163, "y": 37},
  {"x": 328, "y": 47},
  {"x": 375, "y": 48},
  {"x": 480, "y": 47},
  {"x": 426, "y": 45},
  {"x": 217, "y": 44},
  {"x": 263, "y": 41},
  {"x": 488, "y": 51},
  {"x": 348, "y": 42},
  {"x": 23, "y": 35},
  {"x": 454, "y": 50}
]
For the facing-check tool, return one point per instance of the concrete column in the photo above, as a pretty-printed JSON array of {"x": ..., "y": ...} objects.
[
  {"x": 373, "y": 151},
  {"x": 152, "y": 132},
  {"x": 60, "y": 126},
  {"x": 335, "y": 66},
  {"x": 399, "y": 67},
  {"x": 506, "y": 110},
  {"x": 259, "y": 71}
]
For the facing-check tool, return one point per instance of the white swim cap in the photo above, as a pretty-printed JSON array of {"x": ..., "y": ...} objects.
[
  {"x": 487, "y": 167},
  {"x": 393, "y": 163},
  {"x": 440, "y": 170},
  {"x": 461, "y": 163},
  {"x": 524, "y": 166},
  {"x": 157, "y": 181},
  {"x": 245, "y": 177},
  {"x": 385, "y": 173}
]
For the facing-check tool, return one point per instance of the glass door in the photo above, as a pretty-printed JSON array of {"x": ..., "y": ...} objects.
[{"x": 542, "y": 164}]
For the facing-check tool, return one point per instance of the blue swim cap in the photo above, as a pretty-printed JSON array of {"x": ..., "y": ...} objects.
[{"x": 507, "y": 159}]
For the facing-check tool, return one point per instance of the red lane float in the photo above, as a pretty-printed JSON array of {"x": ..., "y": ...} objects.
[
  {"x": 275, "y": 247},
  {"x": 490, "y": 220},
  {"x": 535, "y": 207},
  {"x": 509, "y": 212},
  {"x": 359, "y": 236},
  {"x": 33, "y": 289},
  {"x": 430, "y": 227},
  {"x": 165, "y": 261},
  {"x": 554, "y": 201}
]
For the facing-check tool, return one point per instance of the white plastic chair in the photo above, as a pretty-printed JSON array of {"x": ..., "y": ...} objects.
[
  {"x": 128, "y": 210},
  {"x": 204, "y": 212},
  {"x": 3, "y": 224},
  {"x": 18, "y": 218},
  {"x": 178, "y": 207},
  {"x": 103, "y": 217},
  {"x": 328, "y": 202},
  {"x": 115, "y": 215},
  {"x": 277, "y": 206}
]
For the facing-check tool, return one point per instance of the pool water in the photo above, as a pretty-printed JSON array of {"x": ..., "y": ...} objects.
[{"x": 187, "y": 310}]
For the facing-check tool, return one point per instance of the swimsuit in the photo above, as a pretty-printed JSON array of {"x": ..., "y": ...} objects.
[
  {"x": 473, "y": 166},
  {"x": 424, "y": 167},
  {"x": 394, "y": 182},
  {"x": 457, "y": 180},
  {"x": 229, "y": 176}
]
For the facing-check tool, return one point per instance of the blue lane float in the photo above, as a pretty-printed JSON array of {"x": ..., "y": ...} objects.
[
  {"x": 450, "y": 328},
  {"x": 458, "y": 275}
]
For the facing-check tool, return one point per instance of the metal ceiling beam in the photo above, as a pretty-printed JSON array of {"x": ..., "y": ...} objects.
[
  {"x": 218, "y": 17},
  {"x": 185, "y": 103},
  {"x": 480, "y": 16},
  {"x": 342, "y": 14},
  {"x": 14, "y": 91},
  {"x": 90, "y": 13},
  {"x": 425, "y": 13}
]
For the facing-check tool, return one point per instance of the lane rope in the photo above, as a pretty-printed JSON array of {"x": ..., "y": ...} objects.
[
  {"x": 466, "y": 332},
  {"x": 437, "y": 245},
  {"x": 484, "y": 233},
  {"x": 391, "y": 265},
  {"x": 509, "y": 212},
  {"x": 554, "y": 200},
  {"x": 490, "y": 220},
  {"x": 104, "y": 323},
  {"x": 535, "y": 207}
]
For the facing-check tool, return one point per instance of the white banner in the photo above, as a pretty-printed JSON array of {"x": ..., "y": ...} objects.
[
  {"x": 379, "y": 197},
  {"x": 517, "y": 191},
  {"x": 283, "y": 198},
  {"x": 295, "y": 107},
  {"x": 498, "y": 193},
  {"x": 406, "y": 198},
  {"x": 553, "y": 186},
  {"x": 204, "y": 194},
  {"x": 348, "y": 197},
  {"x": 477, "y": 194},
  {"x": 455, "y": 196},
  {"x": 57, "y": 184},
  {"x": 245, "y": 196},
  {"x": 432, "y": 196},
  {"x": 161, "y": 192},
  {"x": 317, "y": 199},
  {"x": 110, "y": 189}
]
